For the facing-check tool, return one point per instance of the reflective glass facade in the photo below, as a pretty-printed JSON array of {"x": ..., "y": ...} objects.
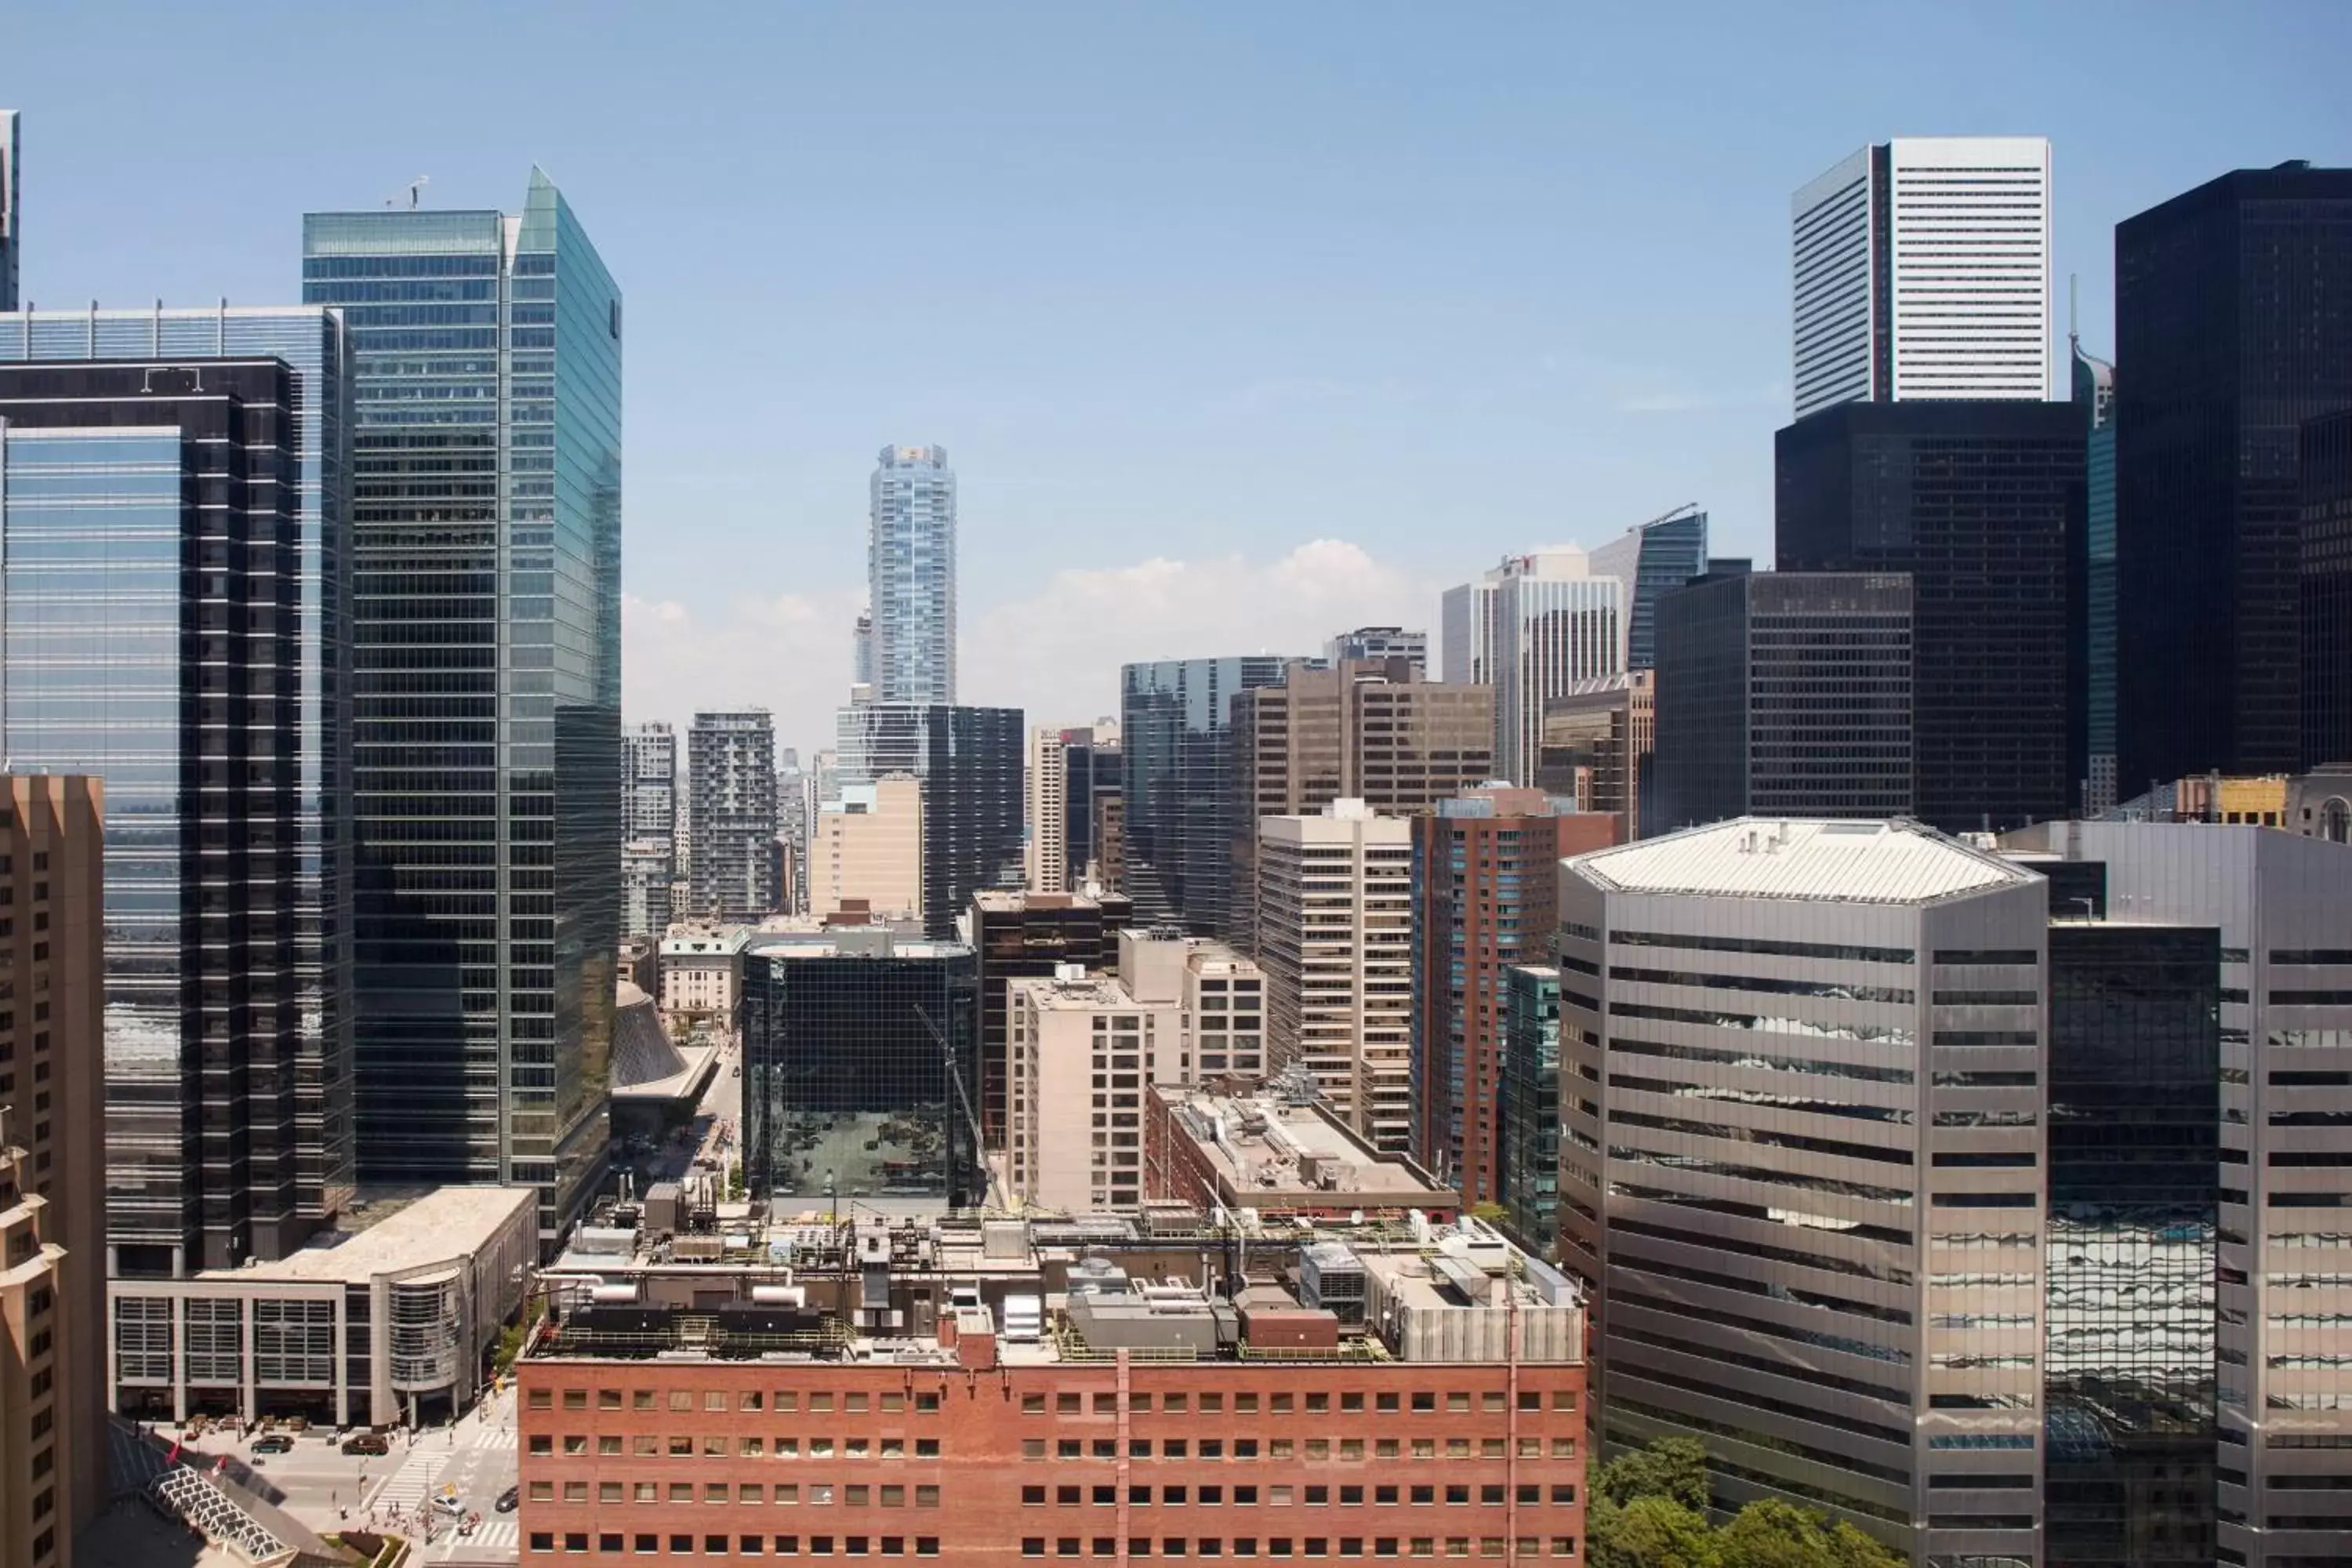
[
  {"x": 2135, "y": 1120},
  {"x": 861, "y": 1071},
  {"x": 2095, "y": 400},
  {"x": 1653, "y": 559},
  {"x": 1983, "y": 504},
  {"x": 909, "y": 649},
  {"x": 2326, "y": 491},
  {"x": 8, "y": 262},
  {"x": 150, "y": 526},
  {"x": 1175, "y": 726},
  {"x": 310, "y": 341},
  {"x": 1530, "y": 1190},
  {"x": 2229, "y": 335},
  {"x": 486, "y": 538}
]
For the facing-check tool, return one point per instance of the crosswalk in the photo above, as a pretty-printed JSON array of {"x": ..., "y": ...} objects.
[
  {"x": 412, "y": 1481},
  {"x": 491, "y": 1538},
  {"x": 496, "y": 1440}
]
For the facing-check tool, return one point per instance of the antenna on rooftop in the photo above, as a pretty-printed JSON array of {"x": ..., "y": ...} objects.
[{"x": 415, "y": 189}]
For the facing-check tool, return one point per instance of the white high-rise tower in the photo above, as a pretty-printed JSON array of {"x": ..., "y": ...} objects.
[
  {"x": 1921, "y": 270},
  {"x": 911, "y": 568}
]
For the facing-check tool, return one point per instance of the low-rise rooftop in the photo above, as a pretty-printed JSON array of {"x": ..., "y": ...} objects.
[
  {"x": 1864, "y": 862},
  {"x": 1266, "y": 1151},
  {"x": 395, "y": 1232}
]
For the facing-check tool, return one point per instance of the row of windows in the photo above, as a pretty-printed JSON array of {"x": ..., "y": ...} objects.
[
  {"x": 1491, "y": 1494},
  {"x": 1065, "y": 1404},
  {"x": 1101, "y": 1548}
]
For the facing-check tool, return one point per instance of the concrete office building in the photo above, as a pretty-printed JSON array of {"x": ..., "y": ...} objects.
[
  {"x": 645, "y": 884},
  {"x": 1785, "y": 694},
  {"x": 1334, "y": 929},
  {"x": 2229, "y": 340},
  {"x": 487, "y": 594},
  {"x": 1022, "y": 935},
  {"x": 702, "y": 976},
  {"x": 911, "y": 572},
  {"x": 1598, "y": 740},
  {"x": 1363, "y": 730},
  {"x": 1177, "y": 1009},
  {"x": 313, "y": 342},
  {"x": 1176, "y": 816},
  {"x": 1266, "y": 1148},
  {"x": 2286, "y": 998},
  {"x": 1485, "y": 886},
  {"x": 1532, "y": 628},
  {"x": 390, "y": 1317},
  {"x": 1093, "y": 765},
  {"x": 730, "y": 796},
  {"x": 1046, "y": 844},
  {"x": 1983, "y": 504},
  {"x": 909, "y": 1403},
  {"x": 1073, "y": 1041},
  {"x": 1380, "y": 642},
  {"x": 1806, "y": 1189},
  {"x": 649, "y": 782},
  {"x": 868, "y": 846},
  {"x": 1921, "y": 270},
  {"x": 53, "y": 1449},
  {"x": 1652, "y": 558}
]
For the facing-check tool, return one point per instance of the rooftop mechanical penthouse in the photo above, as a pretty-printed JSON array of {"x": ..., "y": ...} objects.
[{"x": 1233, "y": 1385}]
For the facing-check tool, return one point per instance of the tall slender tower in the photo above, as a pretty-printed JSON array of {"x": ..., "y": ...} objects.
[
  {"x": 731, "y": 765},
  {"x": 1921, "y": 268},
  {"x": 8, "y": 180},
  {"x": 910, "y": 567},
  {"x": 486, "y": 533}
]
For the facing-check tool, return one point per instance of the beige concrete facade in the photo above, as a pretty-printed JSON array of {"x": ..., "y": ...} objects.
[
  {"x": 1597, "y": 740},
  {"x": 53, "y": 1469},
  {"x": 1045, "y": 851},
  {"x": 702, "y": 973},
  {"x": 1373, "y": 729},
  {"x": 869, "y": 845},
  {"x": 1335, "y": 922}
]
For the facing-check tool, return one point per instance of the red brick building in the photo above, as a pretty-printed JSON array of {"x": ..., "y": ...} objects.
[
  {"x": 1443, "y": 1416},
  {"x": 1485, "y": 897}
]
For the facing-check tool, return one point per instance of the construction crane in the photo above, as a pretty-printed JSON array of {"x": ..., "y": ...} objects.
[
  {"x": 414, "y": 189},
  {"x": 997, "y": 1198}
]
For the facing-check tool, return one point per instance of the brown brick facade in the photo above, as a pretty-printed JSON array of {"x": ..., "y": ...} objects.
[{"x": 1098, "y": 1461}]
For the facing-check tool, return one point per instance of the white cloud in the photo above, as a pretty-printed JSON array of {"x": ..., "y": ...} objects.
[
  {"x": 1056, "y": 652},
  {"x": 790, "y": 653},
  {"x": 1053, "y": 652}
]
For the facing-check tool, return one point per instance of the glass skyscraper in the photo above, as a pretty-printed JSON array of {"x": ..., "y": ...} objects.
[
  {"x": 151, "y": 527},
  {"x": 1175, "y": 728},
  {"x": 970, "y": 763},
  {"x": 8, "y": 263},
  {"x": 909, "y": 651},
  {"x": 310, "y": 341},
  {"x": 2095, "y": 397},
  {"x": 486, "y": 621},
  {"x": 1652, "y": 558}
]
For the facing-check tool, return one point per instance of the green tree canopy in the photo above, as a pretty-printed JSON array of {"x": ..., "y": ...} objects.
[{"x": 1649, "y": 1509}]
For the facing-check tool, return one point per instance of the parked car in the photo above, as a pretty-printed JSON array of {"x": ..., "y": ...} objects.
[
  {"x": 367, "y": 1443},
  {"x": 273, "y": 1443}
]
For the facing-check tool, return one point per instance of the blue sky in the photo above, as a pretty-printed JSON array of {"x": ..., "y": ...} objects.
[{"x": 1241, "y": 322}]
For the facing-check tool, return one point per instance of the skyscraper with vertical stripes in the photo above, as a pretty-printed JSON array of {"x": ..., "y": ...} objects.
[{"x": 1920, "y": 268}]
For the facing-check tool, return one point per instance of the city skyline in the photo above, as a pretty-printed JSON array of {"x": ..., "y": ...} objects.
[{"x": 1274, "y": 416}]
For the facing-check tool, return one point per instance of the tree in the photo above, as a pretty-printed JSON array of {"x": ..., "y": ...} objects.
[{"x": 1650, "y": 1510}]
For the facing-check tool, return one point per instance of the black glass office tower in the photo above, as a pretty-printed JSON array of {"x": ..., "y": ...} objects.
[
  {"x": 485, "y": 616},
  {"x": 2134, "y": 1146},
  {"x": 1983, "y": 504},
  {"x": 861, "y": 1071},
  {"x": 2094, "y": 398},
  {"x": 2326, "y": 589},
  {"x": 310, "y": 340},
  {"x": 1182, "y": 806},
  {"x": 1782, "y": 694},
  {"x": 1027, "y": 936},
  {"x": 969, "y": 761},
  {"x": 151, "y": 527},
  {"x": 2231, "y": 332}
]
